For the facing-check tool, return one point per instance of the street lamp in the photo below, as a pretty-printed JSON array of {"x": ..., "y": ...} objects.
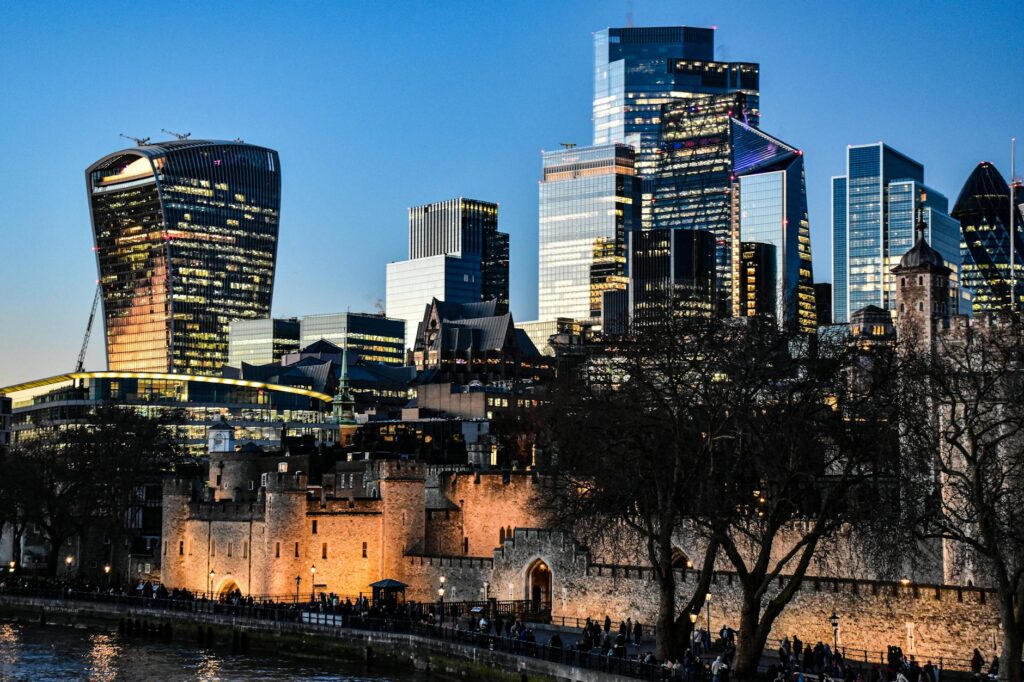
[
  {"x": 106, "y": 571},
  {"x": 213, "y": 574},
  {"x": 693, "y": 628},
  {"x": 11, "y": 565},
  {"x": 312, "y": 587},
  {"x": 707, "y": 606},
  {"x": 834, "y": 620},
  {"x": 298, "y": 579}
]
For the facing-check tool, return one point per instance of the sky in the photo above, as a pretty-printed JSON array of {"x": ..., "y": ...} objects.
[{"x": 378, "y": 106}]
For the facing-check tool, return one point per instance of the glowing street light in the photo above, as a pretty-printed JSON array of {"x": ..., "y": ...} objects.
[{"x": 312, "y": 579}]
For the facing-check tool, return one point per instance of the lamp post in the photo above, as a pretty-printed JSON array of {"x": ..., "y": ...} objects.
[
  {"x": 693, "y": 629},
  {"x": 312, "y": 587},
  {"x": 11, "y": 565},
  {"x": 834, "y": 620},
  {"x": 298, "y": 579},
  {"x": 213, "y": 574},
  {"x": 106, "y": 571},
  {"x": 708, "y": 607}
]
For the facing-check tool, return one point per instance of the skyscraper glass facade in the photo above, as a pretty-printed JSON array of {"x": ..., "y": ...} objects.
[
  {"x": 885, "y": 197},
  {"x": 840, "y": 313},
  {"x": 412, "y": 284},
  {"x": 671, "y": 267},
  {"x": 467, "y": 228},
  {"x": 983, "y": 211},
  {"x": 693, "y": 186},
  {"x": 371, "y": 338},
  {"x": 185, "y": 235},
  {"x": 588, "y": 203},
  {"x": 260, "y": 342},
  {"x": 770, "y": 191}
]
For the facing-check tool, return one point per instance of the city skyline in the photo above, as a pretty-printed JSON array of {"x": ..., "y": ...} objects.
[{"x": 493, "y": 156}]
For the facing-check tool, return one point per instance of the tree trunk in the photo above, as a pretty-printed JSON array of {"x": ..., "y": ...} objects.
[
  {"x": 665, "y": 640},
  {"x": 750, "y": 640},
  {"x": 1013, "y": 642}
]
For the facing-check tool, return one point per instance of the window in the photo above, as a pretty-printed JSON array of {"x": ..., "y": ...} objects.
[
  {"x": 314, "y": 526},
  {"x": 245, "y": 550},
  {"x": 277, "y": 550},
  {"x": 213, "y": 548},
  {"x": 218, "y": 480},
  {"x": 181, "y": 548},
  {"x": 920, "y": 306},
  {"x": 364, "y": 550},
  {"x": 465, "y": 545},
  {"x": 323, "y": 551},
  {"x": 296, "y": 550},
  {"x": 229, "y": 549},
  {"x": 165, "y": 547}
]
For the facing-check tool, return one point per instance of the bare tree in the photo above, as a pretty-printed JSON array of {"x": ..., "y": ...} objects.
[{"x": 963, "y": 460}]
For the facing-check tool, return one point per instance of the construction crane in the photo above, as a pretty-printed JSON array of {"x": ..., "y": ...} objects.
[
  {"x": 141, "y": 141},
  {"x": 180, "y": 136},
  {"x": 80, "y": 365}
]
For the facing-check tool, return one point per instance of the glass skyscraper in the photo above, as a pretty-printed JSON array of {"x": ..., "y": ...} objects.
[
  {"x": 412, "y": 284},
  {"x": 185, "y": 234},
  {"x": 639, "y": 72},
  {"x": 589, "y": 201},
  {"x": 983, "y": 209},
  {"x": 467, "y": 228},
  {"x": 771, "y": 209},
  {"x": 875, "y": 208},
  {"x": 671, "y": 269},
  {"x": 260, "y": 342},
  {"x": 371, "y": 338}
]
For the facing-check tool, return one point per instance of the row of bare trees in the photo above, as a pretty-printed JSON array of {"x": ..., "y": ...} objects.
[
  {"x": 769, "y": 449},
  {"x": 83, "y": 477}
]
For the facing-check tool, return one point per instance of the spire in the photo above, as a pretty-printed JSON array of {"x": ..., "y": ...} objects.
[{"x": 344, "y": 404}]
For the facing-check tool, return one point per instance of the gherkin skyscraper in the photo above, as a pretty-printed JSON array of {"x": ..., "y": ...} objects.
[
  {"x": 983, "y": 209},
  {"x": 185, "y": 234}
]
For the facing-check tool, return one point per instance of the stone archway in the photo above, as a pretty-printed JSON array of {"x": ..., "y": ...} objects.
[
  {"x": 538, "y": 585},
  {"x": 227, "y": 587},
  {"x": 680, "y": 560}
]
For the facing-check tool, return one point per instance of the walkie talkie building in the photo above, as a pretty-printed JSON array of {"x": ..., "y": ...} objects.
[{"x": 185, "y": 234}]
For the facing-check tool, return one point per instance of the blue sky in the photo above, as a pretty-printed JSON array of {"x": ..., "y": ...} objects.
[{"x": 378, "y": 106}]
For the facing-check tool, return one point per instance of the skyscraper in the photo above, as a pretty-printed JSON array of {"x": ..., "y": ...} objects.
[
  {"x": 467, "y": 228},
  {"x": 875, "y": 208},
  {"x": 412, "y": 284},
  {"x": 983, "y": 209},
  {"x": 260, "y": 342},
  {"x": 770, "y": 198},
  {"x": 693, "y": 186},
  {"x": 368, "y": 338},
  {"x": 638, "y": 72},
  {"x": 671, "y": 269},
  {"x": 185, "y": 234},
  {"x": 588, "y": 203}
]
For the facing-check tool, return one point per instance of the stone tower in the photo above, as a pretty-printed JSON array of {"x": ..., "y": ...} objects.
[
  {"x": 287, "y": 536},
  {"x": 922, "y": 293},
  {"x": 177, "y": 496},
  {"x": 403, "y": 493}
]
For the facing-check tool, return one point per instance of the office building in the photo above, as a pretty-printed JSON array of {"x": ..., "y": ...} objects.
[
  {"x": 983, "y": 210},
  {"x": 368, "y": 338},
  {"x": 467, "y": 228},
  {"x": 823, "y": 303},
  {"x": 6, "y": 407},
  {"x": 541, "y": 331},
  {"x": 412, "y": 284},
  {"x": 588, "y": 204},
  {"x": 262, "y": 412},
  {"x": 258, "y": 342},
  {"x": 185, "y": 234},
  {"x": 693, "y": 185},
  {"x": 875, "y": 208},
  {"x": 770, "y": 208},
  {"x": 671, "y": 269}
]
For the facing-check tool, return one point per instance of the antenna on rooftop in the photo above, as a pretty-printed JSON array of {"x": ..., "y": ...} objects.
[
  {"x": 141, "y": 141},
  {"x": 180, "y": 136},
  {"x": 567, "y": 145},
  {"x": 629, "y": 13}
]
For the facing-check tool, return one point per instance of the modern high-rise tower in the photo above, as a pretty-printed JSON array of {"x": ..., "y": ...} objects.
[
  {"x": 467, "y": 228},
  {"x": 983, "y": 209},
  {"x": 588, "y": 204},
  {"x": 640, "y": 71},
  {"x": 875, "y": 209},
  {"x": 185, "y": 234},
  {"x": 771, "y": 240}
]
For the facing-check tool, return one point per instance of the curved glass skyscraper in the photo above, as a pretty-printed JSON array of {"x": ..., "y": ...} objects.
[
  {"x": 983, "y": 209},
  {"x": 185, "y": 234}
]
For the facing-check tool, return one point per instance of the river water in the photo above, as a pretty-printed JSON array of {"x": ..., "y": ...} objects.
[{"x": 53, "y": 652}]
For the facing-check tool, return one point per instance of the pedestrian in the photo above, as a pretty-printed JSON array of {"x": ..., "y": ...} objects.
[
  {"x": 717, "y": 668},
  {"x": 637, "y": 632},
  {"x": 607, "y": 625},
  {"x": 977, "y": 663}
]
